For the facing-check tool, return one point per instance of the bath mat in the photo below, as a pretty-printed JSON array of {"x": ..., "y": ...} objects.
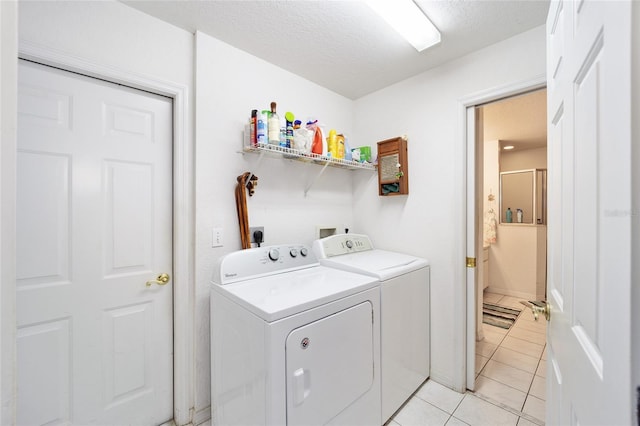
[{"x": 499, "y": 316}]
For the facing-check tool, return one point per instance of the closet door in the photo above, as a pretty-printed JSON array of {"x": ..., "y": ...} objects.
[{"x": 94, "y": 225}]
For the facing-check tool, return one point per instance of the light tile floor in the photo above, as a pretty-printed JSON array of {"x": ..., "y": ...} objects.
[{"x": 510, "y": 380}]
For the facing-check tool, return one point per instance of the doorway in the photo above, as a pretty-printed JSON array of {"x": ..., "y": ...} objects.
[
  {"x": 497, "y": 352},
  {"x": 94, "y": 229}
]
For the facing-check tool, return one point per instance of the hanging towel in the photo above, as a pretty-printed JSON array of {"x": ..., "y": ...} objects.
[{"x": 490, "y": 227}]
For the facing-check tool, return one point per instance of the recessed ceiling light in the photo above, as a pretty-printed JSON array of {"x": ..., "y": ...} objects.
[
  {"x": 408, "y": 20},
  {"x": 508, "y": 147}
]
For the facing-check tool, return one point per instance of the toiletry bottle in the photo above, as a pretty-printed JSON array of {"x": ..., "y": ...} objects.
[
  {"x": 347, "y": 150},
  {"x": 509, "y": 215},
  {"x": 274, "y": 126},
  {"x": 254, "y": 127},
  {"x": 283, "y": 136},
  {"x": 519, "y": 215},
  {"x": 261, "y": 127},
  {"x": 289, "y": 117}
]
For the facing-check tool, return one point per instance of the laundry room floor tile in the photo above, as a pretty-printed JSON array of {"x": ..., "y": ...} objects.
[
  {"x": 516, "y": 359},
  {"x": 440, "y": 396},
  {"x": 500, "y": 393},
  {"x": 508, "y": 375},
  {"x": 476, "y": 411},
  {"x": 418, "y": 412},
  {"x": 535, "y": 407}
]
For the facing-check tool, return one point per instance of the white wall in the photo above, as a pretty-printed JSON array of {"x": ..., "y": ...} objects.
[
  {"x": 8, "y": 120},
  {"x": 230, "y": 83},
  {"x": 427, "y": 221},
  {"x": 523, "y": 159}
]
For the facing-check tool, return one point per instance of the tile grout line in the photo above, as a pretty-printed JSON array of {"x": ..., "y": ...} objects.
[{"x": 509, "y": 409}]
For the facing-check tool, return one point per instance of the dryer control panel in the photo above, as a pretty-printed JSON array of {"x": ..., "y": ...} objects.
[
  {"x": 341, "y": 244},
  {"x": 256, "y": 262}
]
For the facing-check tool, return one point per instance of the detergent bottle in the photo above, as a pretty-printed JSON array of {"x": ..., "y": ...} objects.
[
  {"x": 332, "y": 143},
  {"x": 317, "y": 144},
  {"x": 341, "y": 146}
]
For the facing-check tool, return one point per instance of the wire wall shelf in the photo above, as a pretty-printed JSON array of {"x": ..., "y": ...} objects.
[{"x": 294, "y": 154}]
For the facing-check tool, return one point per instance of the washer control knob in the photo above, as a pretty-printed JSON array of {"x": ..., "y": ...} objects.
[
  {"x": 293, "y": 252},
  {"x": 349, "y": 244},
  {"x": 304, "y": 252},
  {"x": 274, "y": 254}
]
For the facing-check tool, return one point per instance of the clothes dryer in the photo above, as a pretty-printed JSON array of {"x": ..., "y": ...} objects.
[
  {"x": 293, "y": 342},
  {"x": 404, "y": 310}
]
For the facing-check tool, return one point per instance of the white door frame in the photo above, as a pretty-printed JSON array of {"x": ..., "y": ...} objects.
[
  {"x": 183, "y": 222},
  {"x": 464, "y": 300}
]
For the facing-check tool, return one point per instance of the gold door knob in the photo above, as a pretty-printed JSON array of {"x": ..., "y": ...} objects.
[
  {"x": 161, "y": 280},
  {"x": 539, "y": 307}
]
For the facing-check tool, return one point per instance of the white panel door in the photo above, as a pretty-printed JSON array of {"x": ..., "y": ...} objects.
[
  {"x": 94, "y": 224},
  {"x": 589, "y": 276}
]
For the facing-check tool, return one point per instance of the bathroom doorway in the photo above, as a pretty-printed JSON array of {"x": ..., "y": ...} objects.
[
  {"x": 511, "y": 151},
  {"x": 513, "y": 195}
]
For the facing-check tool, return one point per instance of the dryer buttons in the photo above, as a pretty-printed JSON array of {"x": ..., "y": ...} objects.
[{"x": 304, "y": 344}]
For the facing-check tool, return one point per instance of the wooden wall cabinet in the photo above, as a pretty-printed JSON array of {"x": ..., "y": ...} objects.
[{"x": 393, "y": 170}]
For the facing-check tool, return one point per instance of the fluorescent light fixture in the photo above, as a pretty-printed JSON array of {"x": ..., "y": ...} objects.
[
  {"x": 408, "y": 20},
  {"x": 508, "y": 147}
]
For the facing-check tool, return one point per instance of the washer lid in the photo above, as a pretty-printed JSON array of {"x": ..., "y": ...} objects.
[
  {"x": 378, "y": 263},
  {"x": 278, "y": 296}
]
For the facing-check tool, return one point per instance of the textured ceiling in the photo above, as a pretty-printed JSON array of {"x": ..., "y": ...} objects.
[
  {"x": 342, "y": 44},
  {"x": 520, "y": 121}
]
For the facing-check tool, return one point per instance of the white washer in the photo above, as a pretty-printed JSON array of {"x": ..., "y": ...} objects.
[
  {"x": 404, "y": 310},
  {"x": 293, "y": 342}
]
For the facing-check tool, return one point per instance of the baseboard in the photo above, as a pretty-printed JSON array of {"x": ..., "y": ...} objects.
[
  {"x": 508, "y": 292},
  {"x": 203, "y": 415}
]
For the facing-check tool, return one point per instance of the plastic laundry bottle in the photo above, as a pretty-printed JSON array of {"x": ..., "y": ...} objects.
[
  {"x": 509, "y": 215},
  {"x": 341, "y": 142},
  {"x": 332, "y": 143},
  {"x": 316, "y": 144}
]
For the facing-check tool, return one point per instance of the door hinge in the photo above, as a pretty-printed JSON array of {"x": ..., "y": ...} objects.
[
  {"x": 471, "y": 262},
  {"x": 638, "y": 403}
]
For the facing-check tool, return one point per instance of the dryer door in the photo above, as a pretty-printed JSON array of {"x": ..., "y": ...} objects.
[{"x": 329, "y": 365}]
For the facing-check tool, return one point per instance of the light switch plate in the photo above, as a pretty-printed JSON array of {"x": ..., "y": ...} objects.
[{"x": 216, "y": 236}]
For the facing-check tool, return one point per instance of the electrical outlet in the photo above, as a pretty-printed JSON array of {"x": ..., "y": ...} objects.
[
  {"x": 216, "y": 237},
  {"x": 252, "y": 229}
]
